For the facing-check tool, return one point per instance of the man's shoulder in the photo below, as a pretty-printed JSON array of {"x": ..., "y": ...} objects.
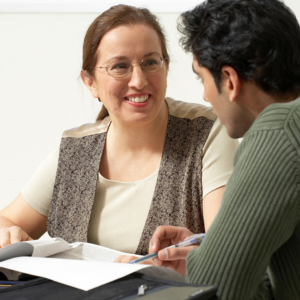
[
  {"x": 277, "y": 127},
  {"x": 278, "y": 116}
]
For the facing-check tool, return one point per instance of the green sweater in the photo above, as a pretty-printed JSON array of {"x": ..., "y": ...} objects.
[{"x": 257, "y": 228}]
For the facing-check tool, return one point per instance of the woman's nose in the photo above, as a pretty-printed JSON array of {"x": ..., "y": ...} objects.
[{"x": 138, "y": 78}]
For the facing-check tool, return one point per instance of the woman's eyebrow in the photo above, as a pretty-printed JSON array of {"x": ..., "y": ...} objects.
[
  {"x": 119, "y": 57},
  {"x": 123, "y": 57},
  {"x": 151, "y": 53}
]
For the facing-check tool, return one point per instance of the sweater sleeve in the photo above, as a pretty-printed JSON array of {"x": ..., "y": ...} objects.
[{"x": 258, "y": 215}]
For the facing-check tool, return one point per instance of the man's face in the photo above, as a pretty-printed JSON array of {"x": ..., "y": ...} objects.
[{"x": 231, "y": 114}]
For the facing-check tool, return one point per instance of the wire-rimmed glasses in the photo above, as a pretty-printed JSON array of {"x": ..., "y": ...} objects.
[{"x": 150, "y": 64}]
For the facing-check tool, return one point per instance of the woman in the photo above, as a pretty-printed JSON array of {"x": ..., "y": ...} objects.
[{"x": 147, "y": 161}]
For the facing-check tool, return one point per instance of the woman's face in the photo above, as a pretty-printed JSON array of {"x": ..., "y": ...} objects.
[{"x": 137, "y": 98}]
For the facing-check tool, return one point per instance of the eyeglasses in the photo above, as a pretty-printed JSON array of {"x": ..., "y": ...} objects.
[{"x": 150, "y": 64}]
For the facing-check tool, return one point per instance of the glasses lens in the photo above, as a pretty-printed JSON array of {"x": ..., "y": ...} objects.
[
  {"x": 152, "y": 63},
  {"x": 119, "y": 69}
]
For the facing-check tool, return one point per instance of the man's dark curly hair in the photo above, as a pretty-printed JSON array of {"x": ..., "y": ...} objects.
[{"x": 260, "y": 39}]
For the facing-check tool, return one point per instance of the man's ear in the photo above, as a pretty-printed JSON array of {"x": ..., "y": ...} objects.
[
  {"x": 232, "y": 82},
  {"x": 89, "y": 81}
]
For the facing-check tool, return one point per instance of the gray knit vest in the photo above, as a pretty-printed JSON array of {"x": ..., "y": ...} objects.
[{"x": 177, "y": 198}]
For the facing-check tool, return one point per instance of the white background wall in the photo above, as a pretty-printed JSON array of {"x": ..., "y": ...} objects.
[{"x": 41, "y": 94}]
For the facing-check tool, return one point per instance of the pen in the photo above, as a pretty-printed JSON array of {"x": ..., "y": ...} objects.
[
  {"x": 191, "y": 240},
  {"x": 9, "y": 283},
  {"x": 5, "y": 285}
]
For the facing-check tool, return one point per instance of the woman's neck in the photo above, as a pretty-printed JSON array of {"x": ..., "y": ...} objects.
[
  {"x": 132, "y": 153},
  {"x": 134, "y": 137}
]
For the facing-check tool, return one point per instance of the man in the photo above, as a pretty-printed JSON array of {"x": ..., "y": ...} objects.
[{"x": 247, "y": 53}]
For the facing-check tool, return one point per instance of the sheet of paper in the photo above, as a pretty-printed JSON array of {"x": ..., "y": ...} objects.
[
  {"x": 43, "y": 248},
  {"x": 38, "y": 248},
  {"x": 84, "y": 275},
  {"x": 93, "y": 252}
]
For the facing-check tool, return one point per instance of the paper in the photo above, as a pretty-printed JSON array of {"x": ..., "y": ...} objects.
[
  {"x": 86, "y": 251},
  {"x": 59, "y": 248},
  {"x": 51, "y": 246},
  {"x": 84, "y": 275},
  {"x": 38, "y": 248},
  {"x": 80, "y": 265},
  {"x": 55, "y": 248}
]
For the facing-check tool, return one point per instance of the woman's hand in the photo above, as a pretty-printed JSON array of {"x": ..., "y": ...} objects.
[
  {"x": 13, "y": 234},
  {"x": 129, "y": 258},
  {"x": 20, "y": 222},
  {"x": 174, "y": 258}
]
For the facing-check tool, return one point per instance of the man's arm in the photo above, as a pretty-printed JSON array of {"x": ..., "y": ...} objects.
[{"x": 258, "y": 215}]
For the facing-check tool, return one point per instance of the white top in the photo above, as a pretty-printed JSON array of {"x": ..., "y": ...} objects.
[
  {"x": 114, "y": 222},
  {"x": 115, "y": 212}
]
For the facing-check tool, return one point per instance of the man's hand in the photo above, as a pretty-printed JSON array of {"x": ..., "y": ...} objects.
[
  {"x": 13, "y": 234},
  {"x": 174, "y": 258}
]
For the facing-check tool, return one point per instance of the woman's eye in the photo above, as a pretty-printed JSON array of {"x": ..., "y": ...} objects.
[
  {"x": 150, "y": 62},
  {"x": 119, "y": 66}
]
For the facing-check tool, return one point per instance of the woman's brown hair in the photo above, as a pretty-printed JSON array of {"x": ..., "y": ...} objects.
[{"x": 116, "y": 16}]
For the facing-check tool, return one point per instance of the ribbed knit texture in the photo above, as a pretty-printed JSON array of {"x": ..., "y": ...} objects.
[{"x": 258, "y": 225}]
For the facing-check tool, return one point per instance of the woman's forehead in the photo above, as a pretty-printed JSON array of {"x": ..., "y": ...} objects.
[{"x": 128, "y": 41}]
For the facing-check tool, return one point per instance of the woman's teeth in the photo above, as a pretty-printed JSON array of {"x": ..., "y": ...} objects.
[{"x": 138, "y": 99}]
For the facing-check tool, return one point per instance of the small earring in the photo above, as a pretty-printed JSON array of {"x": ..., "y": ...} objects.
[{"x": 99, "y": 100}]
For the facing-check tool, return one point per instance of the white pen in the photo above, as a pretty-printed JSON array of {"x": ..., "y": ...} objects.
[{"x": 191, "y": 240}]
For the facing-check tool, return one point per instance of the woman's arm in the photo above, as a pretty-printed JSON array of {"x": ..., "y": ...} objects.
[
  {"x": 20, "y": 222},
  {"x": 211, "y": 205}
]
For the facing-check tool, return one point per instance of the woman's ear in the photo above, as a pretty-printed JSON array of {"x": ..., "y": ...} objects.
[
  {"x": 168, "y": 64},
  {"x": 232, "y": 82},
  {"x": 90, "y": 83}
]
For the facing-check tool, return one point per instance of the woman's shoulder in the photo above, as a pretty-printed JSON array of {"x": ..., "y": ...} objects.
[
  {"x": 182, "y": 109},
  {"x": 88, "y": 129}
]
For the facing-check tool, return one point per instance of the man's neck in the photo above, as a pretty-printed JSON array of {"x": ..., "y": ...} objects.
[{"x": 256, "y": 100}]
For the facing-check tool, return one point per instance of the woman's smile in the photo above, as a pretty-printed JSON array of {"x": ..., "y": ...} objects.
[{"x": 138, "y": 100}]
